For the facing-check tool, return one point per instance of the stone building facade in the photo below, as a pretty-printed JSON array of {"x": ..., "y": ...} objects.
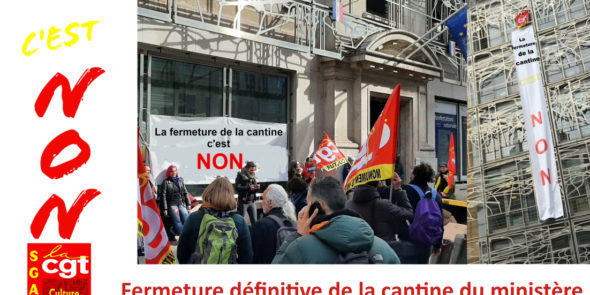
[{"x": 293, "y": 62}]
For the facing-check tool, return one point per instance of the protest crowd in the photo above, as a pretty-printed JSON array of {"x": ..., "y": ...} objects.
[
  {"x": 309, "y": 220},
  {"x": 370, "y": 217}
]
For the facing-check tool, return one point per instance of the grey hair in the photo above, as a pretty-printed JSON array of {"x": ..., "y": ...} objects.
[{"x": 279, "y": 197}]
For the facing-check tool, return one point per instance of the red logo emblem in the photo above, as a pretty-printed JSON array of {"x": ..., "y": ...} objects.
[
  {"x": 58, "y": 269},
  {"x": 523, "y": 19}
]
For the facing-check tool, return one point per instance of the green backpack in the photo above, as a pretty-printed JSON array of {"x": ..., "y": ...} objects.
[{"x": 217, "y": 240}]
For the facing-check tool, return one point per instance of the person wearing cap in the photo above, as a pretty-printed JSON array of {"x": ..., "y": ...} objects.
[
  {"x": 247, "y": 186},
  {"x": 278, "y": 211},
  {"x": 442, "y": 179}
]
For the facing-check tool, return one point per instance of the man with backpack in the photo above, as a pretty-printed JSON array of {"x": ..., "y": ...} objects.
[
  {"x": 426, "y": 230},
  {"x": 279, "y": 221},
  {"x": 330, "y": 234}
]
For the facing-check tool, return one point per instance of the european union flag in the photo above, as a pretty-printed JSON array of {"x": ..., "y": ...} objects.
[{"x": 458, "y": 27}]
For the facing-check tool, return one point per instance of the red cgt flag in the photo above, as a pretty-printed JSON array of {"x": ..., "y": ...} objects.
[
  {"x": 376, "y": 159},
  {"x": 328, "y": 157},
  {"x": 156, "y": 244},
  {"x": 451, "y": 164}
]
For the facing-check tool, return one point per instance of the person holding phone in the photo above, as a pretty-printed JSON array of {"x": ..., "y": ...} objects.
[
  {"x": 328, "y": 233},
  {"x": 247, "y": 187}
]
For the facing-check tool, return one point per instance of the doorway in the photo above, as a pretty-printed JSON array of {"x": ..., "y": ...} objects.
[{"x": 404, "y": 129}]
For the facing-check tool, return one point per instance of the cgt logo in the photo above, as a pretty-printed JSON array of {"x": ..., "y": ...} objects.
[{"x": 58, "y": 269}]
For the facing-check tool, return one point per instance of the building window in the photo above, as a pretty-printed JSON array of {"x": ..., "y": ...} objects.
[
  {"x": 575, "y": 163},
  {"x": 563, "y": 51},
  {"x": 377, "y": 7},
  {"x": 185, "y": 89},
  {"x": 259, "y": 97},
  {"x": 569, "y": 105}
]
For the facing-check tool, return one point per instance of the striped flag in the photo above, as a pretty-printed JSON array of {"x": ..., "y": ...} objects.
[
  {"x": 150, "y": 225},
  {"x": 337, "y": 11},
  {"x": 452, "y": 48}
]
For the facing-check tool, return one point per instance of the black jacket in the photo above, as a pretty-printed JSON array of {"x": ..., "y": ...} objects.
[
  {"x": 173, "y": 194},
  {"x": 299, "y": 200},
  {"x": 384, "y": 217},
  {"x": 443, "y": 182},
  {"x": 264, "y": 237},
  {"x": 243, "y": 182}
]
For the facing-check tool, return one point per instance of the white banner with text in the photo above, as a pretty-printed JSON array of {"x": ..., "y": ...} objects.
[
  {"x": 537, "y": 124},
  {"x": 205, "y": 148}
]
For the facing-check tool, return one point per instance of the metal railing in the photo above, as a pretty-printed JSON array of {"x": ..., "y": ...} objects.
[{"x": 301, "y": 25}]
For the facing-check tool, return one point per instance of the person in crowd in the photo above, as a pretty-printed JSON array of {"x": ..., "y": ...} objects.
[
  {"x": 175, "y": 201},
  {"x": 279, "y": 211},
  {"x": 298, "y": 190},
  {"x": 140, "y": 247},
  {"x": 218, "y": 199},
  {"x": 247, "y": 187},
  {"x": 422, "y": 174},
  {"x": 327, "y": 232},
  {"x": 346, "y": 168},
  {"x": 442, "y": 177},
  {"x": 148, "y": 170},
  {"x": 166, "y": 219},
  {"x": 387, "y": 219},
  {"x": 309, "y": 171},
  {"x": 395, "y": 190},
  {"x": 442, "y": 180},
  {"x": 295, "y": 170}
]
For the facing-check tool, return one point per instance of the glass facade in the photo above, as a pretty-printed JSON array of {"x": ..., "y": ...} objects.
[
  {"x": 259, "y": 97},
  {"x": 503, "y": 223},
  {"x": 174, "y": 86},
  {"x": 185, "y": 89}
]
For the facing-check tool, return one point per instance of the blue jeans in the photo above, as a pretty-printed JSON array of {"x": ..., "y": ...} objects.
[
  {"x": 250, "y": 208},
  {"x": 179, "y": 216}
]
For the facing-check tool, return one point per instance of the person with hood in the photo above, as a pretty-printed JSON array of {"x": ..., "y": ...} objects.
[
  {"x": 174, "y": 196},
  {"x": 247, "y": 186},
  {"x": 279, "y": 211},
  {"x": 387, "y": 219},
  {"x": 328, "y": 233}
]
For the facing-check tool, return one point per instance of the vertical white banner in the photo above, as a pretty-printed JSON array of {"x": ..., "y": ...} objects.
[{"x": 537, "y": 124}]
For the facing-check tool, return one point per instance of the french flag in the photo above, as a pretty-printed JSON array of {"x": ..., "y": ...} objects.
[
  {"x": 452, "y": 48},
  {"x": 337, "y": 11}
]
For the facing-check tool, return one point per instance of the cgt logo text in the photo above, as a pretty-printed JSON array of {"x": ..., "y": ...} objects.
[{"x": 58, "y": 269}]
